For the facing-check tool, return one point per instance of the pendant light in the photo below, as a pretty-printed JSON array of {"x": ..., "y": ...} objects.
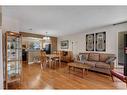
[{"x": 46, "y": 38}]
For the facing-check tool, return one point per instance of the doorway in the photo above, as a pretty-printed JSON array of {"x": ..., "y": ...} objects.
[{"x": 122, "y": 51}]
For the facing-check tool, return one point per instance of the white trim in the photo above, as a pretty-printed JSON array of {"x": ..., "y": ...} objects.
[{"x": 1, "y": 62}]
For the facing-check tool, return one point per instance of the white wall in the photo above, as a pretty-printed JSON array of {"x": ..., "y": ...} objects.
[
  {"x": 9, "y": 23},
  {"x": 0, "y": 18},
  {"x": 111, "y": 39},
  {"x": 1, "y": 62},
  {"x": 27, "y": 40}
]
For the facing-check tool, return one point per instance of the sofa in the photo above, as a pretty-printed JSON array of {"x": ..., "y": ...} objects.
[{"x": 100, "y": 62}]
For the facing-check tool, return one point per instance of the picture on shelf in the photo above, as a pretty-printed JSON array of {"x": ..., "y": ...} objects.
[{"x": 12, "y": 46}]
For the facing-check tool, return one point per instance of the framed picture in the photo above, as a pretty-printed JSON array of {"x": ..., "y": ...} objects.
[
  {"x": 89, "y": 42},
  {"x": 64, "y": 44},
  {"x": 101, "y": 41}
]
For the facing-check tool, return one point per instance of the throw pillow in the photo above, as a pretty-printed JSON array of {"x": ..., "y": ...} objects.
[
  {"x": 77, "y": 57},
  {"x": 82, "y": 58},
  {"x": 110, "y": 59}
]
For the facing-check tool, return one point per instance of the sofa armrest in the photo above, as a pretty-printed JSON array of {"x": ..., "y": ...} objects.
[
  {"x": 110, "y": 59},
  {"x": 111, "y": 65}
]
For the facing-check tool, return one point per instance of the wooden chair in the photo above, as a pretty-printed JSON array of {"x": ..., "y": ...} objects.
[
  {"x": 54, "y": 52},
  {"x": 43, "y": 59},
  {"x": 119, "y": 76},
  {"x": 57, "y": 60}
]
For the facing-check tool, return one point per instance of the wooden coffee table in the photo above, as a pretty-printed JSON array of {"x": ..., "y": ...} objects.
[{"x": 75, "y": 65}]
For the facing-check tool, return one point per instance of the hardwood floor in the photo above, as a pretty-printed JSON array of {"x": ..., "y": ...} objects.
[{"x": 59, "y": 78}]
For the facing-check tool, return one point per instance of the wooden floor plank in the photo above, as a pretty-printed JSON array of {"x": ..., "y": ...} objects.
[{"x": 59, "y": 78}]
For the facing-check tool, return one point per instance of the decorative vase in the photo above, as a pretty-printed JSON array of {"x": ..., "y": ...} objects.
[{"x": 12, "y": 46}]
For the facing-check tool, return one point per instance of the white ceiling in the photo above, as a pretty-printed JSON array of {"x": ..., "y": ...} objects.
[{"x": 64, "y": 20}]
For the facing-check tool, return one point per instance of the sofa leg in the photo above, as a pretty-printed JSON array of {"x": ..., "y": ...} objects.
[
  {"x": 111, "y": 76},
  {"x": 69, "y": 69},
  {"x": 126, "y": 82}
]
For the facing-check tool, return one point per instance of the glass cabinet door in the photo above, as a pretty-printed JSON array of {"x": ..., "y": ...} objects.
[{"x": 14, "y": 57}]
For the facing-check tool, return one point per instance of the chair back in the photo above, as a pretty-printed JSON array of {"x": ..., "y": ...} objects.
[
  {"x": 54, "y": 52},
  {"x": 43, "y": 56},
  {"x": 58, "y": 53}
]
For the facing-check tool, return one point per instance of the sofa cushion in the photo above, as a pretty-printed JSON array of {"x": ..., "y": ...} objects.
[
  {"x": 81, "y": 59},
  {"x": 102, "y": 65},
  {"x": 93, "y": 57},
  {"x": 104, "y": 57},
  {"x": 90, "y": 63}
]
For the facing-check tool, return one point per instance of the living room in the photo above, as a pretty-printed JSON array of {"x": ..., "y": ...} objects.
[{"x": 70, "y": 25}]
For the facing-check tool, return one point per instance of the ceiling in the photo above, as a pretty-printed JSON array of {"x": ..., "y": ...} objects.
[{"x": 64, "y": 20}]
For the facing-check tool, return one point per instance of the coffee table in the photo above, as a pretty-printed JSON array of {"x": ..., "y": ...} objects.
[{"x": 84, "y": 67}]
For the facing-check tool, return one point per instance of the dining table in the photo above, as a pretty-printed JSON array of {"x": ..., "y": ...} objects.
[{"x": 50, "y": 57}]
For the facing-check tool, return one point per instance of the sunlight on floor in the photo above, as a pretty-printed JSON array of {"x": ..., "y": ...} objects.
[{"x": 48, "y": 87}]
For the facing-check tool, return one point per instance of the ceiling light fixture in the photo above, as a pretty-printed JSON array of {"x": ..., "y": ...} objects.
[{"x": 46, "y": 38}]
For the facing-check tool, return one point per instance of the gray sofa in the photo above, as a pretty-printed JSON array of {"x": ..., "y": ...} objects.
[{"x": 101, "y": 62}]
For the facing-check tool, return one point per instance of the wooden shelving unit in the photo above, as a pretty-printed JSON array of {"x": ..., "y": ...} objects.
[{"x": 13, "y": 65}]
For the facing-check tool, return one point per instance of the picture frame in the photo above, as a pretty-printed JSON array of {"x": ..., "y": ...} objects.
[
  {"x": 90, "y": 42},
  {"x": 100, "y": 41},
  {"x": 65, "y": 44}
]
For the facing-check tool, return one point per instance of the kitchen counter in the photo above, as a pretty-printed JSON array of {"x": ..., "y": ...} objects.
[{"x": 33, "y": 56}]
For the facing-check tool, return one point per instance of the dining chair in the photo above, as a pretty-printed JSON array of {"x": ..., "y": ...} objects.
[
  {"x": 54, "y": 52},
  {"x": 57, "y": 59},
  {"x": 44, "y": 61}
]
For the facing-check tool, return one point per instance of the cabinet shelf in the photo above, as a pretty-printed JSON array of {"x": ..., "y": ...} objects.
[
  {"x": 13, "y": 79},
  {"x": 13, "y": 69},
  {"x": 15, "y": 49},
  {"x": 13, "y": 60},
  {"x": 10, "y": 41}
]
